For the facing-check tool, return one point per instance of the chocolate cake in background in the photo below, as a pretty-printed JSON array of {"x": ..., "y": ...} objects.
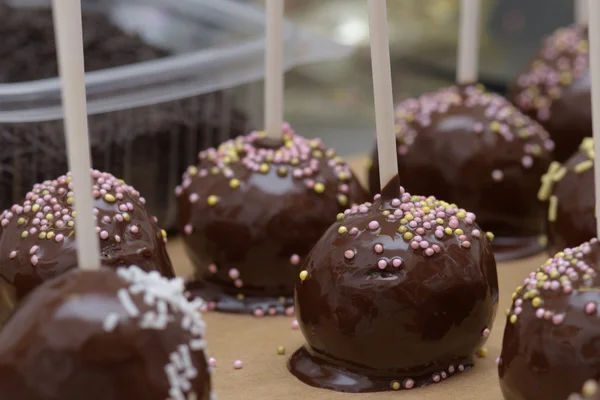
[{"x": 149, "y": 147}]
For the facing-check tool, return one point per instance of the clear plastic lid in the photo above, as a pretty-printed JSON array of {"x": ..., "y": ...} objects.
[{"x": 216, "y": 44}]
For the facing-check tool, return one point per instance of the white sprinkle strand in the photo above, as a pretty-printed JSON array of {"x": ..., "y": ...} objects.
[
  {"x": 110, "y": 322},
  {"x": 127, "y": 303}
]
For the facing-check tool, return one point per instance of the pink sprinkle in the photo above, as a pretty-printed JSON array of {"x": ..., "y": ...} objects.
[
  {"x": 194, "y": 197},
  {"x": 295, "y": 324},
  {"x": 234, "y": 273},
  {"x": 373, "y": 225},
  {"x": 237, "y": 364},
  {"x": 518, "y": 310},
  {"x": 212, "y": 362},
  {"x": 118, "y": 239},
  {"x": 59, "y": 238},
  {"x": 212, "y": 305},
  {"x": 4, "y": 222},
  {"x": 451, "y": 369},
  {"x": 466, "y": 244},
  {"x": 376, "y": 197},
  {"x": 188, "y": 229},
  {"x": 13, "y": 254},
  {"x": 558, "y": 319},
  {"x": 414, "y": 244},
  {"x": 409, "y": 383},
  {"x": 453, "y": 223},
  {"x": 259, "y": 313},
  {"x": 295, "y": 259},
  {"x": 461, "y": 368},
  {"x": 395, "y": 202},
  {"x": 34, "y": 260},
  {"x": 486, "y": 332},
  {"x": 272, "y": 311},
  {"x": 436, "y": 248},
  {"x": 134, "y": 229},
  {"x": 34, "y": 249},
  {"x": 349, "y": 254},
  {"x": 378, "y": 248},
  {"x": 382, "y": 264},
  {"x": 212, "y": 268},
  {"x": 397, "y": 262},
  {"x": 498, "y": 360},
  {"x": 439, "y": 234},
  {"x": 424, "y": 244},
  {"x": 104, "y": 235},
  {"x": 290, "y": 311},
  {"x": 429, "y": 252},
  {"x": 436, "y": 378},
  {"x": 238, "y": 283},
  {"x": 590, "y": 308}
]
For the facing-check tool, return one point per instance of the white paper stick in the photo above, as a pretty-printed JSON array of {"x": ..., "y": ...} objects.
[
  {"x": 274, "y": 68},
  {"x": 467, "y": 70},
  {"x": 582, "y": 11},
  {"x": 594, "y": 38},
  {"x": 382, "y": 89},
  {"x": 69, "y": 43}
]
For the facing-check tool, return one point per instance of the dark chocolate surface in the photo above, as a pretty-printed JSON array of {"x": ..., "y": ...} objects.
[
  {"x": 62, "y": 345},
  {"x": 555, "y": 89},
  {"x": 397, "y": 294},
  {"x": 550, "y": 345},
  {"x": 474, "y": 148},
  {"x": 568, "y": 190},
  {"x": 37, "y": 237},
  {"x": 252, "y": 209}
]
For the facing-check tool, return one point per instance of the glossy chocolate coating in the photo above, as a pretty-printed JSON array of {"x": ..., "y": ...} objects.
[
  {"x": 56, "y": 346},
  {"x": 370, "y": 328},
  {"x": 474, "y": 148},
  {"x": 555, "y": 89},
  {"x": 28, "y": 259},
  {"x": 569, "y": 191},
  {"x": 253, "y": 209},
  {"x": 550, "y": 345}
]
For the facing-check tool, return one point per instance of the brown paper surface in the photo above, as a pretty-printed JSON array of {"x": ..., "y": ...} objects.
[{"x": 264, "y": 375}]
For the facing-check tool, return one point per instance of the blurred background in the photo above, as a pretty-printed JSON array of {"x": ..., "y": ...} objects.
[{"x": 166, "y": 79}]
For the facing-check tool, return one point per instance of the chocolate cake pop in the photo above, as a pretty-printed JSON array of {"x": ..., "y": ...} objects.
[
  {"x": 569, "y": 191},
  {"x": 106, "y": 334},
  {"x": 553, "y": 328},
  {"x": 555, "y": 89},
  {"x": 37, "y": 237},
  {"x": 398, "y": 293},
  {"x": 476, "y": 149},
  {"x": 251, "y": 211}
]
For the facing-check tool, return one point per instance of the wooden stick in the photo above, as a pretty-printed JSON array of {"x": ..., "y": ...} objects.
[
  {"x": 467, "y": 70},
  {"x": 274, "y": 68},
  {"x": 594, "y": 38},
  {"x": 382, "y": 88},
  {"x": 69, "y": 43}
]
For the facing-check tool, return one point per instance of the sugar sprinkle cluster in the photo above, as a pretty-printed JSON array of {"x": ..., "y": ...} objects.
[
  {"x": 563, "y": 59},
  {"x": 300, "y": 158},
  {"x": 568, "y": 272},
  {"x": 164, "y": 298},
  {"x": 501, "y": 117},
  {"x": 47, "y": 212},
  {"x": 436, "y": 377},
  {"x": 413, "y": 218},
  {"x": 556, "y": 172}
]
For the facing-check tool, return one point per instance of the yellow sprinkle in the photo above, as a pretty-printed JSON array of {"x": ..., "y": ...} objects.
[
  {"x": 590, "y": 388},
  {"x": 303, "y": 275},
  {"x": 234, "y": 183},
  {"x": 584, "y": 166},
  {"x": 70, "y": 201},
  {"x": 49, "y": 217},
  {"x": 426, "y": 210},
  {"x": 280, "y": 350},
  {"x": 212, "y": 200},
  {"x": 319, "y": 187},
  {"x": 458, "y": 231},
  {"x": 192, "y": 171},
  {"x": 386, "y": 213},
  {"x": 402, "y": 229},
  {"x": 74, "y": 214},
  {"x": 340, "y": 216},
  {"x": 495, "y": 126},
  {"x": 342, "y": 230},
  {"x": 514, "y": 295},
  {"x": 409, "y": 217},
  {"x": 407, "y": 236},
  {"x": 342, "y": 176},
  {"x": 42, "y": 235},
  {"x": 71, "y": 224},
  {"x": 536, "y": 302},
  {"x": 21, "y": 221},
  {"x": 552, "y": 208},
  {"x": 35, "y": 207},
  {"x": 163, "y": 233},
  {"x": 68, "y": 180},
  {"x": 566, "y": 78},
  {"x": 295, "y": 161},
  {"x": 50, "y": 235},
  {"x": 396, "y": 385},
  {"x": 317, "y": 154},
  {"x": 214, "y": 170},
  {"x": 342, "y": 199},
  {"x": 282, "y": 171},
  {"x": 543, "y": 240},
  {"x": 264, "y": 168},
  {"x": 587, "y": 144},
  {"x": 439, "y": 221},
  {"x": 109, "y": 198},
  {"x": 482, "y": 353},
  {"x": 240, "y": 296},
  {"x": 513, "y": 319},
  {"x": 507, "y": 311},
  {"x": 448, "y": 231},
  {"x": 24, "y": 234},
  {"x": 461, "y": 214},
  {"x": 403, "y": 221}
]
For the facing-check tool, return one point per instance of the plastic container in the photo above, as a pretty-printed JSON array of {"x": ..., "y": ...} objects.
[{"x": 172, "y": 107}]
